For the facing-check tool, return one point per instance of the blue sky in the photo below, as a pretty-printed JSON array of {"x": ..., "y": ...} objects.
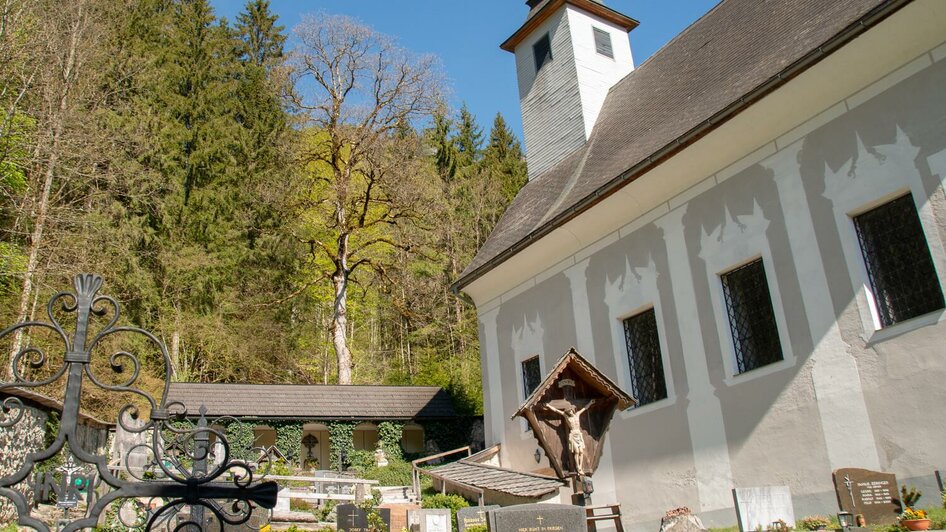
[{"x": 466, "y": 34}]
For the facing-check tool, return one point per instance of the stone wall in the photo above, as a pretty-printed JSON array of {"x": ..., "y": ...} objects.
[{"x": 15, "y": 443}]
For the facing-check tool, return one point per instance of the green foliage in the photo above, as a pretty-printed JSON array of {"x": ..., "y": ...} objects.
[
  {"x": 241, "y": 439},
  {"x": 396, "y": 473},
  {"x": 186, "y": 182},
  {"x": 288, "y": 438},
  {"x": 937, "y": 516},
  {"x": 340, "y": 438},
  {"x": 477, "y": 528},
  {"x": 370, "y": 507},
  {"x": 389, "y": 436},
  {"x": 439, "y": 500},
  {"x": 361, "y": 460}
]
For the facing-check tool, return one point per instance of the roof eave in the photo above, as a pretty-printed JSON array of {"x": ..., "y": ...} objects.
[
  {"x": 848, "y": 34},
  {"x": 599, "y": 10}
]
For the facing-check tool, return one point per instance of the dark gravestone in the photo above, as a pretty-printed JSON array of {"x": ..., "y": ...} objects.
[
  {"x": 939, "y": 480},
  {"x": 538, "y": 518},
  {"x": 353, "y": 519},
  {"x": 473, "y": 516},
  {"x": 872, "y": 494}
]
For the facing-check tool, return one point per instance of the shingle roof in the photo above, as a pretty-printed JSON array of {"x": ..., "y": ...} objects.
[
  {"x": 35, "y": 398},
  {"x": 498, "y": 479},
  {"x": 314, "y": 401},
  {"x": 733, "y": 55}
]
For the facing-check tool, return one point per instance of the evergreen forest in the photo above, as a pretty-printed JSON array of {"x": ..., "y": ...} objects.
[{"x": 278, "y": 205}]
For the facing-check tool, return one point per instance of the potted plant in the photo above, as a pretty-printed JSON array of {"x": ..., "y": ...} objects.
[{"x": 915, "y": 519}]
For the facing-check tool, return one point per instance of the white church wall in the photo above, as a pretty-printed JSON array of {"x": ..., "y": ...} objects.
[{"x": 836, "y": 398}]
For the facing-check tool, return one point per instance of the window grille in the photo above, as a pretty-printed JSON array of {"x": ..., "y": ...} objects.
[
  {"x": 643, "y": 357},
  {"x": 751, "y": 318},
  {"x": 531, "y": 375},
  {"x": 603, "y": 43},
  {"x": 899, "y": 267},
  {"x": 542, "y": 50}
]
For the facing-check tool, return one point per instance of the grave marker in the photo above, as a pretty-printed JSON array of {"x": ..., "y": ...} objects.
[
  {"x": 432, "y": 520},
  {"x": 351, "y": 518},
  {"x": 763, "y": 506},
  {"x": 538, "y": 518},
  {"x": 872, "y": 494},
  {"x": 473, "y": 516}
]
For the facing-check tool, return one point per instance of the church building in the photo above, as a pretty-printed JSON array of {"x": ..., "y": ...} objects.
[{"x": 746, "y": 233}]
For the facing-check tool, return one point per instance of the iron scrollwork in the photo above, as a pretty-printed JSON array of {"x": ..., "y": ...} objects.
[{"x": 179, "y": 474}]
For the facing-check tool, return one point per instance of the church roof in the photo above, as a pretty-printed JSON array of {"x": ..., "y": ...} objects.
[
  {"x": 315, "y": 401},
  {"x": 731, "y": 57}
]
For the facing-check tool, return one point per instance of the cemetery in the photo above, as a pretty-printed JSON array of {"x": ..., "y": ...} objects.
[
  {"x": 713, "y": 304},
  {"x": 184, "y": 469}
]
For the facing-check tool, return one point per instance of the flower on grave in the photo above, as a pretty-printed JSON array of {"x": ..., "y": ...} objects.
[{"x": 910, "y": 514}]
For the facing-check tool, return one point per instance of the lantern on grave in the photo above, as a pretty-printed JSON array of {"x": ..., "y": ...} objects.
[{"x": 569, "y": 413}]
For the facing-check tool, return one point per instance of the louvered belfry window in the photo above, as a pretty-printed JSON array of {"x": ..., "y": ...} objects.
[
  {"x": 542, "y": 50},
  {"x": 644, "y": 359},
  {"x": 603, "y": 43},
  {"x": 899, "y": 267},
  {"x": 751, "y": 317},
  {"x": 531, "y": 375}
]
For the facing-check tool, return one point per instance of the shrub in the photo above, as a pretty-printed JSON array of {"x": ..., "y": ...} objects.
[
  {"x": 439, "y": 500},
  {"x": 396, "y": 473},
  {"x": 361, "y": 460},
  {"x": 477, "y": 528}
]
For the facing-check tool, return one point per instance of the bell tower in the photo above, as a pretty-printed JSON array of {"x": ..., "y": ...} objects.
[{"x": 569, "y": 53}]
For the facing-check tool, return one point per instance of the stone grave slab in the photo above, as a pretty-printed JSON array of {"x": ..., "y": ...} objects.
[
  {"x": 538, "y": 518},
  {"x": 429, "y": 520},
  {"x": 473, "y": 516},
  {"x": 763, "y": 506},
  {"x": 873, "y": 494},
  {"x": 351, "y": 518}
]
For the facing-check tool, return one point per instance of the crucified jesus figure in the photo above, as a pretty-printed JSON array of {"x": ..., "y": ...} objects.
[{"x": 576, "y": 442}]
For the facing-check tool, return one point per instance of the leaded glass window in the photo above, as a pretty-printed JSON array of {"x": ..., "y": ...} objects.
[
  {"x": 644, "y": 359},
  {"x": 751, "y": 317},
  {"x": 542, "y": 50},
  {"x": 603, "y": 43},
  {"x": 531, "y": 375},
  {"x": 899, "y": 267}
]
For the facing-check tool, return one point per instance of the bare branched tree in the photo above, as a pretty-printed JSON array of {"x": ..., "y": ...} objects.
[{"x": 361, "y": 95}]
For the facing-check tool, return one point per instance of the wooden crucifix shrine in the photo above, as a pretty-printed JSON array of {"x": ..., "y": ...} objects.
[{"x": 569, "y": 414}]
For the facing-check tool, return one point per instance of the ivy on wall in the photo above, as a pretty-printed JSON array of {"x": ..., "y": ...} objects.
[
  {"x": 241, "y": 439},
  {"x": 288, "y": 439},
  {"x": 389, "y": 436},
  {"x": 340, "y": 439}
]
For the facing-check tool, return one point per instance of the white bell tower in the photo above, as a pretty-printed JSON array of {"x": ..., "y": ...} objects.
[{"x": 569, "y": 53}]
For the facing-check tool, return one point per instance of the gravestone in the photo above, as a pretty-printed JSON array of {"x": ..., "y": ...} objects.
[
  {"x": 757, "y": 507},
  {"x": 432, "y": 520},
  {"x": 538, "y": 518},
  {"x": 353, "y": 519},
  {"x": 473, "y": 516},
  {"x": 872, "y": 494}
]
